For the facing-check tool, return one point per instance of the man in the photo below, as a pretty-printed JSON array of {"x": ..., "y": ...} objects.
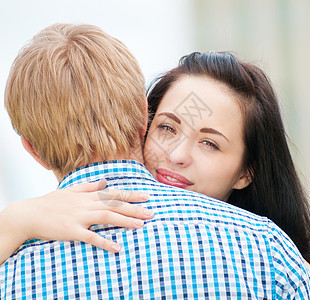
[{"x": 76, "y": 95}]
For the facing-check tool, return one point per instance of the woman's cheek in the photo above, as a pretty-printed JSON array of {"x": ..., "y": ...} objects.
[{"x": 153, "y": 154}]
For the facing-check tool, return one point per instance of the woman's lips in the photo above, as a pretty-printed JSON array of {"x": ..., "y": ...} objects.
[{"x": 168, "y": 177}]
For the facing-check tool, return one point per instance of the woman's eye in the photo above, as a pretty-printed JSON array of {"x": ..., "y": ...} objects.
[
  {"x": 210, "y": 144},
  {"x": 167, "y": 128}
]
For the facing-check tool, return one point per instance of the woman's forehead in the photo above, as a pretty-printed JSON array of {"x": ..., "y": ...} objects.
[{"x": 200, "y": 100}]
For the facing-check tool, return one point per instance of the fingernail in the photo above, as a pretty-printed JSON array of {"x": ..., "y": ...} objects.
[
  {"x": 138, "y": 223},
  {"x": 116, "y": 247},
  {"x": 144, "y": 196},
  {"x": 148, "y": 213}
]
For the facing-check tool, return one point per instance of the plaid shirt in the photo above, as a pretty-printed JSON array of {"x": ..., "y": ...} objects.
[{"x": 195, "y": 247}]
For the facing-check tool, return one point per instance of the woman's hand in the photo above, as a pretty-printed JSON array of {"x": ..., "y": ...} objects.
[{"x": 67, "y": 215}]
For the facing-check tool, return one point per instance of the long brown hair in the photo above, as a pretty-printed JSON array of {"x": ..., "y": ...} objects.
[{"x": 275, "y": 190}]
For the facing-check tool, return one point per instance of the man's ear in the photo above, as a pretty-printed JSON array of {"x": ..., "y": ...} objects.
[
  {"x": 146, "y": 118},
  {"x": 30, "y": 149},
  {"x": 244, "y": 180}
]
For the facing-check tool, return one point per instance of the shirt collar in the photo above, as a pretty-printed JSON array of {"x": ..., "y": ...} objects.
[{"x": 109, "y": 170}]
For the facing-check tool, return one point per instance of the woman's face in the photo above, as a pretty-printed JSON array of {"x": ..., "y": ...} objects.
[{"x": 195, "y": 141}]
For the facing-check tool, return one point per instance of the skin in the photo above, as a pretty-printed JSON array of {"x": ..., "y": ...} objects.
[
  {"x": 204, "y": 156},
  {"x": 201, "y": 151},
  {"x": 67, "y": 215}
]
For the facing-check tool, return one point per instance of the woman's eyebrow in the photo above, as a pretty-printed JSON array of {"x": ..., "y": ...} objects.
[
  {"x": 171, "y": 116},
  {"x": 211, "y": 130},
  {"x": 203, "y": 130}
]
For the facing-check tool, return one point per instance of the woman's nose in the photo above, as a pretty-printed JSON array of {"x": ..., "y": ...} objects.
[{"x": 181, "y": 155}]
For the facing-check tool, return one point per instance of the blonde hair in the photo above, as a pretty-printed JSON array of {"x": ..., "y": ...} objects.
[{"x": 74, "y": 91}]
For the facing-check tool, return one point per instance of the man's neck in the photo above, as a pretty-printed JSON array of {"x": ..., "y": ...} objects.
[{"x": 134, "y": 154}]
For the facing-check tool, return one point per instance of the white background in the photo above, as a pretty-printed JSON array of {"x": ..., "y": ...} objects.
[
  {"x": 157, "y": 32},
  {"x": 275, "y": 34}
]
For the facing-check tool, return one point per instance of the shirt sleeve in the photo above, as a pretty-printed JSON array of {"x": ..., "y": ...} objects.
[{"x": 291, "y": 273}]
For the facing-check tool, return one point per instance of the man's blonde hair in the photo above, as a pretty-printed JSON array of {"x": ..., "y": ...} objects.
[{"x": 74, "y": 91}]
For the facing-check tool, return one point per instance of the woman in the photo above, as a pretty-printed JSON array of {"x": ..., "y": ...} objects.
[
  {"x": 275, "y": 190},
  {"x": 216, "y": 129}
]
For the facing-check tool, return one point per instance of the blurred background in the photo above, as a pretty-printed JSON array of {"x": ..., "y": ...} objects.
[{"x": 275, "y": 35}]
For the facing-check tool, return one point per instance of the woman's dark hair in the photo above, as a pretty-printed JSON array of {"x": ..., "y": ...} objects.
[{"x": 275, "y": 190}]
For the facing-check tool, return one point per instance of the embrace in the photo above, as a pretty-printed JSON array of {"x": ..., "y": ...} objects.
[{"x": 221, "y": 212}]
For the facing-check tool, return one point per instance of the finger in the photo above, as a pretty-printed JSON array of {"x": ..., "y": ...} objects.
[
  {"x": 95, "y": 239},
  {"x": 115, "y": 219},
  {"x": 126, "y": 196},
  {"x": 124, "y": 208},
  {"x": 90, "y": 186}
]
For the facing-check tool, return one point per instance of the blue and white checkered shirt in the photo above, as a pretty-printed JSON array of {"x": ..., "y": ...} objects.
[{"x": 194, "y": 248}]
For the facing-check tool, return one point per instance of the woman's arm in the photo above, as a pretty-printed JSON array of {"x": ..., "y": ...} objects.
[{"x": 67, "y": 215}]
